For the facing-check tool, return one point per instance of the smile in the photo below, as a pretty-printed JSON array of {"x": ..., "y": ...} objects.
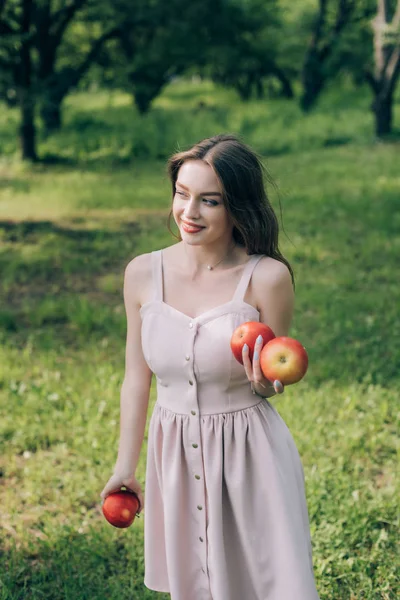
[{"x": 191, "y": 228}]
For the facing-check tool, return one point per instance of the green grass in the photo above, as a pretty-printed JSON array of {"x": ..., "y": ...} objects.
[{"x": 67, "y": 230}]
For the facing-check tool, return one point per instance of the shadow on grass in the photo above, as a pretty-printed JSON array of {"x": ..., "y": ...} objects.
[
  {"x": 63, "y": 282},
  {"x": 24, "y": 231},
  {"x": 75, "y": 566},
  {"x": 16, "y": 185}
]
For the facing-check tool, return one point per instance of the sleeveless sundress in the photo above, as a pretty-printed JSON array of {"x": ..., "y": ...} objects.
[{"x": 225, "y": 515}]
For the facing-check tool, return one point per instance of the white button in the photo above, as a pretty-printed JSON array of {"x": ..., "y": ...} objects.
[
  {"x": 187, "y": 357},
  {"x": 195, "y": 445},
  {"x": 200, "y": 507},
  {"x": 190, "y": 325},
  {"x": 193, "y": 412},
  {"x": 197, "y": 476}
]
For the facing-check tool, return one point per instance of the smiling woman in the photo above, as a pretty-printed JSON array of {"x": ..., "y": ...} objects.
[
  {"x": 194, "y": 209},
  {"x": 225, "y": 505},
  {"x": 235, "y": 177}
]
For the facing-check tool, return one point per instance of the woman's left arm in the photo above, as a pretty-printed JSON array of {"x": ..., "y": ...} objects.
[{"x": 274, "y": 295}]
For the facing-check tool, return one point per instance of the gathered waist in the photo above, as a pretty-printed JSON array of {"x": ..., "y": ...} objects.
[
  {"x": 206, "y": 401},
  {"x": 222, "y": 412}
]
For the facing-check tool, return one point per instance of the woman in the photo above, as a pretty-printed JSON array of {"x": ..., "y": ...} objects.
[{"x": 225, "y": 507}]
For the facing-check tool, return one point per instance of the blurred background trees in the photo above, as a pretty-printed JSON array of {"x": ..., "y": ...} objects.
[{"x": 48, "y": 48}]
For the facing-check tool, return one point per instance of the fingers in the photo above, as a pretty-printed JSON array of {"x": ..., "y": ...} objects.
[
  {"x": 257, "y": 373},
  {"x": 247, "y": 362},
  {"x": 137, "y": 490},
  {"x": 253, "y": 371},
  {"x": 113, "y": 485},
  {"x": 141, "y": 500}
]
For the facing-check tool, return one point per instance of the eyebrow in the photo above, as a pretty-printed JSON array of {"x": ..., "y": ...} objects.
[{"x": 202, "y": 193}]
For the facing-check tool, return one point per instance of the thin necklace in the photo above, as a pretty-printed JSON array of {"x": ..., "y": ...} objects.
[{"x": 212, "y": 267}]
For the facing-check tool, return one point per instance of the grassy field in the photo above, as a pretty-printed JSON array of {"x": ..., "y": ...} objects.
[{"x": 68, "y": 227}]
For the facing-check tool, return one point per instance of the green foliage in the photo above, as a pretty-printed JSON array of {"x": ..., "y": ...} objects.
[
  {"x": 159, "y": 41},
  {"x": 67, "y": 231},
  {"x": 256, "y": 28}
]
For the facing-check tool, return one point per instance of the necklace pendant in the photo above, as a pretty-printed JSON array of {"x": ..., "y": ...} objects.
[{"x": 209, "y": 267}]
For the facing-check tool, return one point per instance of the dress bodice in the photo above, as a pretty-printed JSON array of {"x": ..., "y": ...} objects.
[{"x": 192, "y": 356}]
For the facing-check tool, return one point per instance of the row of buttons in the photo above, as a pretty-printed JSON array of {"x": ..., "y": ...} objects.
[{"x": 193, "y": 412}]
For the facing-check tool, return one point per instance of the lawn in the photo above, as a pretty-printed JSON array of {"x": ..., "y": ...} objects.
[{"x": 69, "y": 226}]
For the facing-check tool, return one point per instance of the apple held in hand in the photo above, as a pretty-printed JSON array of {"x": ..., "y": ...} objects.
[
  {"x": 247, "y": 333},
  {"x": 284, "y": 359},
  {"x": 120, "y": 508}
]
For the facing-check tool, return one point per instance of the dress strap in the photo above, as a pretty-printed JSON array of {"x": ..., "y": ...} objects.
[
  {"x": 246, "y": 276},
  {"x": 157, "y": 282}
]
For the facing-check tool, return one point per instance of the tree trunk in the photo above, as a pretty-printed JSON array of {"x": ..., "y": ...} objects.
[
  {"x": 25, "y": 89},
  {"x": 383, "y": 111},
  {"x": 27, "y": 127},
  {"x": 323, "y": 42},
  {"x": 260, "y": 88},
  {"x": 51, "y": 114},
  {"x": 387, "y": 68},
  {"x": 313, "y": 83},
  {"x": 286, "y": 89}
]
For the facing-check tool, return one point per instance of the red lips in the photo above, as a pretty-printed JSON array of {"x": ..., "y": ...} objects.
[
  {"x": 191, "y": 224},
  {"x": 191, "y": 228}
]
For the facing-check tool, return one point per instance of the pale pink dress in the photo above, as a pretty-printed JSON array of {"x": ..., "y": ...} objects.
[{"x": 225, "y": 511}]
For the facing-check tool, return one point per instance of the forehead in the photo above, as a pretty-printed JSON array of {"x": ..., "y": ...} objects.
[{"x": 198, "y": 176}]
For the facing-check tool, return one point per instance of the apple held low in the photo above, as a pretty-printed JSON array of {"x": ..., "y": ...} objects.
[{"x": 120, "y": 508}]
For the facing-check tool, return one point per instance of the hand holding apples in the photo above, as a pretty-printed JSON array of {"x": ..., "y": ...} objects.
[
  {"x": 255, "y": 374},
  {"x": 246, "y": 343},
  {"x": 281, "y": 360},
  {"x": 247, "y": 333}
]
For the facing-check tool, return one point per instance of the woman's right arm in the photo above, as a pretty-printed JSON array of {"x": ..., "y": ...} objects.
[{"x": 135, "y": 389}]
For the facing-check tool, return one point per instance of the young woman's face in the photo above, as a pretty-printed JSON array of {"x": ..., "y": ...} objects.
[{"x": 198, "y": 202}]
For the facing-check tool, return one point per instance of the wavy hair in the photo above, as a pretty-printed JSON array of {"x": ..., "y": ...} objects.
[{"x": 241, "y": 175}]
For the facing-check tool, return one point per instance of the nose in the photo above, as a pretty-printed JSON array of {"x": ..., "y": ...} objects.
[{"x": 192, "y": 210}]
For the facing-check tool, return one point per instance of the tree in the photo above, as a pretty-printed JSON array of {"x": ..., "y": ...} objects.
[
  {"x": 33, "y": 34},
  {"x": 247, "y": 49},
  {"x": 67, "y": 41},
  {"x": 332, "y": 18},
  {"x": 383, "y": 78},
  {"x": 160, "y": 40},
  {"x": 16, "y": 59}
]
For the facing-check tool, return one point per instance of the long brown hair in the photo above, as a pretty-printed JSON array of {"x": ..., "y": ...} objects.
[{"x": 240, "y": 172}]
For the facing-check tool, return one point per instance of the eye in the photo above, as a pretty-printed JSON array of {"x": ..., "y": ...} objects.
[
  {"x": 211, "y": 202},
  {"x": 180, "y": 193}
]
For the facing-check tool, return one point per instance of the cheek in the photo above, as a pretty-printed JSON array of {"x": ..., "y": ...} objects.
[
  {"x": 175, "y": 208},
  {"x": 177, "y": 204},
  {"x": 177, "y": 211},
  {"x": 224, "y": 220}
]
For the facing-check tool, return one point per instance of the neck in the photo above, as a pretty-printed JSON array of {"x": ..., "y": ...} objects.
[{"x": 204, "y": 259}]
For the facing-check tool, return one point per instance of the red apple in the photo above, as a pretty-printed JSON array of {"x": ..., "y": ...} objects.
[
  {"x": 247, "y": 333},
  {"x": 285, "y": 359},
  {"x": 120, "y": 508}
]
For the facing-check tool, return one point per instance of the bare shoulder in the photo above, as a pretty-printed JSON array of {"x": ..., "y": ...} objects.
[
  {"x": 272, "y": 272},
  {"x": 274, "y": 294},
  {"x": 139, "y": 265},
  {"x": 138, "y": 278}
]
